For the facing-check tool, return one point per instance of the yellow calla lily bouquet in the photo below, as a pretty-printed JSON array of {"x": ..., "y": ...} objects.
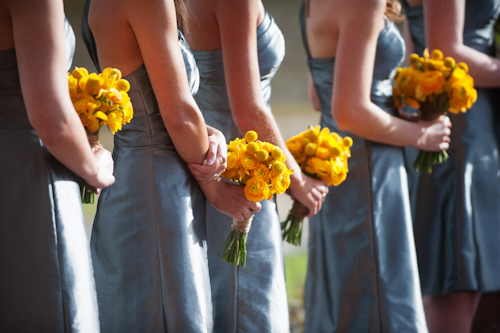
[
  {"x": 260, "y": 167},
  {"x": 434, "y": 86},
  {"x": 321, "y": 155},
  {"x": 99, "y": 99}
]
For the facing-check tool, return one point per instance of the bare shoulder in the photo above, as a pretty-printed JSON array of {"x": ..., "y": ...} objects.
[
  {"x": 360, "y": 11},
  {"x": 237, "y": 10}
]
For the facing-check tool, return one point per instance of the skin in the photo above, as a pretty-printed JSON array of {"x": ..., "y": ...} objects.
[
  {"x": 454, "y": 312},
  {"x": 38, "y": 25},
  {"x": 232, "y": 27},
  {"x": 348, "y": 30},
  {"x": 145, "y": 32}
]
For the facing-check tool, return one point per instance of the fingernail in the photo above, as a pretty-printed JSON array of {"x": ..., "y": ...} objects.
[
  {"x": 204, "y": 162},
  {"x": 210, "y": 161}
]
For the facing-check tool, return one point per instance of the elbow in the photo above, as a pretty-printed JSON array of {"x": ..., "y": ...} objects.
[{"x": 343, "y": 118}]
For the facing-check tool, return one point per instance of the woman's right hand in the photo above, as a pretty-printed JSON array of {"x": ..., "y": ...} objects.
[
  {"x": 435, "y": 134},
  {"x": 310, "y": 192},
  {"x": 230, "y": 199},
  {"x": 104, "y": 176}
]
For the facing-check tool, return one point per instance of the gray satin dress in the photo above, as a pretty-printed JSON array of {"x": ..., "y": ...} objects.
[
  {"x": 456, "y": 209},
  {"x": 148, "y": 242},
  {"x": 362, "y": 272},
  {"x": 251, "y": 298},
  {"x": 46, "y": 277}
]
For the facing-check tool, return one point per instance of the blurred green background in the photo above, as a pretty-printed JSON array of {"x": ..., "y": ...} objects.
[{"x": 290, "y": 106}]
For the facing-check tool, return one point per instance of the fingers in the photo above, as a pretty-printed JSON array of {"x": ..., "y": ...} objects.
[
  {"x": 255, "y": 207},
  {"x": 212, "y": 153}
]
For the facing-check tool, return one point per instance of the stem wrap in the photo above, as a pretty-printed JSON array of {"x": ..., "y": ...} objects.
[{"x": 242, "y": 226}]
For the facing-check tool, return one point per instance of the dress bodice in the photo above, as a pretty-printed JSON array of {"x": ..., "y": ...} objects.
[
  {"x": 389, "y": 53},
  {"x": 271, "y": 51},
  {"x": 12, "y": 109},
  {"x": 480, "y": 17}
]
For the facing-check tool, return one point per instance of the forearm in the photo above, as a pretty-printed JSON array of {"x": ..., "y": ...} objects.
[
  {"x": 64, "y": 137},
  {"x": 189, "y": 134},
  {"x": 372, "y": 123}
]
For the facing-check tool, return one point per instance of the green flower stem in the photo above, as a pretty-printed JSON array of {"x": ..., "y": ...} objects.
[
  {"x": 426, "y": 159},
  {"x": 234, "y": 248},
  {"x": 291, "y": 228},
  {"x": 87, "y": 191}
]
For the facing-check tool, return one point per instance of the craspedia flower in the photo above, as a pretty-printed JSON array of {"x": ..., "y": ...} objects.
[
  {"x": 251, "y": 136},
  {"x": 463, "y": 66},
  {"x": 123, "y": 85},
  {"x": 347, "y": 141},
  {"x": 310, "y": 149},
  {"x": 80, "y": 72},
  {"x": 277, "y": 154},
  {"x": 413, "y": 59},
  {"x": 279, "y": 167},
  {"x": 262, "y": 155},
  {"x": 449, "y": 62},
  {"x": 252, "y": 147},
  {"x": 436, "y": 55}
]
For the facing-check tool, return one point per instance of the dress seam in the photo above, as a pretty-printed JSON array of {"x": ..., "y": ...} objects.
[{"x": 373, "y": 233}]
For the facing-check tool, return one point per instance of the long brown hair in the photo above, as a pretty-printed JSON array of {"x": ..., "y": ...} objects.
[
  {"x": 180, "y": 10},
  {"x": 392, "y": 10}
]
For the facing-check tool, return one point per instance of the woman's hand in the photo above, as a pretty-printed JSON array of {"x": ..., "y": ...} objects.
[
  {"x": 230, "y": 199},
  {"x": 215, "y": 161},
  {"x": 435, "y": 134},
  {"x": 104, "y": 176},
  {"x": 310, "y": 192}
]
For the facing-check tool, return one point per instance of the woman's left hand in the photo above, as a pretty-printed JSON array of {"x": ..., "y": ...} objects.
[{"x": 214, "y": 164}]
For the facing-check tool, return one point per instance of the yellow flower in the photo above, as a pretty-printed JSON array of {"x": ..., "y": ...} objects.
[
  {"x": 294, "y": 144},
  {"x": 462, "y": 96},
  {"x": 280, "y": 183},
  {"x": 321, "y": 167},
  {"x": 233, "y": 160},
  {"x": 261, "y": 172},
  {"x": 277, "y": 154},
  {"x": 256, "y": 189},
  {"x": 430, "y": 82},
  {"x": 310, "y": 149},
  {"x": 449, "y": 62},
  {"x": 347, "y": 141},
  {"x": 463, "y": 66},
  {"x": 249, "y": 161},
  {"x": 251, "y": 136},
  {"x": 238, "y": 146},
  {"x": 262, "y": 155},
  {"x": 279, "y": 167},
  {"x": 114, "y": 121},
  {"x": 407, "y": 80},
  {"x": 123, "y": 85},
  {"x": 322, "y": 152},
  {"x": 413, "y": 58},
  {"x": 252, "y": 147},
  {"x": 80, "y": 72},
  {"x": 230, "y": 174},
  {"x": 436, "y": 55}
]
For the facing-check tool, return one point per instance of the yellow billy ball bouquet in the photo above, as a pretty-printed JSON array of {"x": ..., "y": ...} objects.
[
  {"x": 321, "y": 155},
  {"x": 434, "y": 86},
  {"x": 260, "y": 167},
  {"x": 99, "y": 99}
]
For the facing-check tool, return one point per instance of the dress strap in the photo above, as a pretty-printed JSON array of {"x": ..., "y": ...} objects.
[
  {"x": 88, "y": 37},
  {"x": 302, "y": 17}
]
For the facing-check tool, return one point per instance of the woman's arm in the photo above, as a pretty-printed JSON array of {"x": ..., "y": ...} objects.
[
  {"x": 38, "y": 32},
  {"x": 238, "y": 22},
  {"x": 155, "y": 27},
  {"x": 360, "y": 23},
  {"x": 444, "y": 28}
]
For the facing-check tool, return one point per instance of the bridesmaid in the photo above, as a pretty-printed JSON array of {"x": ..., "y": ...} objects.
[
  {"x": 149, "y": 237},
  {"x": 238, "y": 49},
  {"x": 455, "y": 209},
  {"x": 46, "y": 277},
  {"x": 362, "y": 274}
]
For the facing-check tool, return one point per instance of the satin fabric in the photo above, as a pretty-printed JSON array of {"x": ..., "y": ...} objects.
[
  {"x": 251, "y": 298},
  {"x": 362, "y": 271},
  {"x": 455, "y": 209},
  {"x": 46, "y": 276},
  {"x": 149, "y": 235}
]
